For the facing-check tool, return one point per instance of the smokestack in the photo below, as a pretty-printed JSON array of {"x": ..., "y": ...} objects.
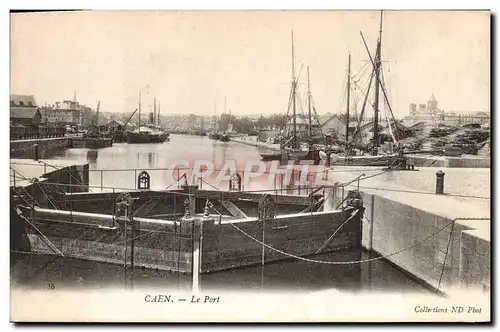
[{"x": 158, "y": 113}]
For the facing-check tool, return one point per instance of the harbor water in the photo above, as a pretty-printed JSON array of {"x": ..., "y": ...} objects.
[
  {"x": 117, "y": 166},
  {"x": 38, "y": 271}
]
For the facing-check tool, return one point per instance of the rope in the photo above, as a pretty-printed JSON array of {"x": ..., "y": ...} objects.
[
  {"x": 39, "y": 186},
  {"x": 44, "y": 238},
  {"x": 323, "y": 246},
  {"x": 209, "y": 184},
  {"x": 47, "y": 196},
  {"x": 31, "y": 197},
  {"x": 445, "y": 256},
  {"x": 349, "y": 262}
]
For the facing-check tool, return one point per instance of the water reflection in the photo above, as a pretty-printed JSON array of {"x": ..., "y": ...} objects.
[
  {"x": 92, "y": 156},
  {"x": 182, "y": 147},
  {"x": 35, "y": 271},
  {"x": 151, "y": 159}
]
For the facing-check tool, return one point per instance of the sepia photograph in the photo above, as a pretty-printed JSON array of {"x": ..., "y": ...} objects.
[{"x": 250, "y": 166}]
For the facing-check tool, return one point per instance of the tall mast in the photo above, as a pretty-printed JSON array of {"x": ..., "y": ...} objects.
[
  {"x": 295, "y": 141},
  {"x": 98, "y": 127},
  {"x": 309, "y": 102},
  {"x": 348, "y": 97},
  {"x": 154, "y": 111},
  {"x": 377, "y": 87},
  {"x": 139, "y": 111}
]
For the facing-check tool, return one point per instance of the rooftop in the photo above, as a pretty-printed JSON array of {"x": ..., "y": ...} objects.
[
  {"x": 22, "y": 100},
  {"x": 23, "y": 112}
]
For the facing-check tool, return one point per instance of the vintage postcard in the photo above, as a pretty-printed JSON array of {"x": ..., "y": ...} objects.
[{"x": 250, "y": 166}]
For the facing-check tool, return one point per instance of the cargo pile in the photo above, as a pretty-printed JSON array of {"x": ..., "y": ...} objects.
[
  {"x": 442, "y": 131},
  {"x": 468, "y": 140}
]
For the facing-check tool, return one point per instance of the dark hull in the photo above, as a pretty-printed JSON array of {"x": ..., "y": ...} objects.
[
  {"x": 271, "y": 156},
  {"x": 214, "y": 136},
  {"x": 224, "y": 138},
  {"x": 119, "y": 137},
  {"x": 366, "y": 161},
  {"x": 136, "y": 138},
  {"x": 312, "y": 155}
]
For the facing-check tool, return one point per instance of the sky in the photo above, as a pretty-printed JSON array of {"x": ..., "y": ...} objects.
[{"x": 193, "y": 61}]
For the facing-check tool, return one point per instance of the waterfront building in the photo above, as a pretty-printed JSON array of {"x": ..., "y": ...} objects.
[
  {"x": 118, "y": 125},
  {"x": 24, "y": 111},
  {"x": 66, "y": 112},
  {"x": 431, "y": 114}
]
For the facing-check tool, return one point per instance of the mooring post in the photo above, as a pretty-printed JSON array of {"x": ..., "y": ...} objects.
[
  {"x": 207, "y": 223},
  {"x": 440, "y": 182},
  {"x": 191, "y": 191},
  {"x": 357, "y": 203}
]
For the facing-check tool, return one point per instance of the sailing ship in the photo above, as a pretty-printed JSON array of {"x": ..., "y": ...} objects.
[
  {"x": 150, "y": 132},
  {"x": 292, "y": 148},
  {"x": 214, "y": 134},
  {"x": 351, "y": 156}
]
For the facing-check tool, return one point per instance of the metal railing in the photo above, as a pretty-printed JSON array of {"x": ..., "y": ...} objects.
[{"x": 297, "y": 183}]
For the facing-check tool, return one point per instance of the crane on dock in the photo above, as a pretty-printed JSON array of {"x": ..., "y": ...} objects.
[{"x": 119, "y": 135}]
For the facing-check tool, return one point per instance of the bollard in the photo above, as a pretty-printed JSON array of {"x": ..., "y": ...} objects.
[
  {"x": 440, "y": 183},
  {"x": 357, "y": 203},
  {"x": 34, "y": 151},
  {"x": 412, "y": 167}
]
